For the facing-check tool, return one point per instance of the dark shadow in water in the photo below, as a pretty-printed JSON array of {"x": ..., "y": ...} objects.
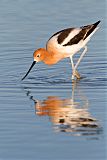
[{"x": 70, "y": 115}]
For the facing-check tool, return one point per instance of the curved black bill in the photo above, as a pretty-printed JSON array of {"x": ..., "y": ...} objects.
[{"x": 34, "y": 62}]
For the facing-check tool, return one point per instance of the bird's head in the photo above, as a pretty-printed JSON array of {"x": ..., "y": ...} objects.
[{"x": 39, "y": 55}]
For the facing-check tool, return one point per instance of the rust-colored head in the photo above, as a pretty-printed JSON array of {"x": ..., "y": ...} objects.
[{"x": 39, "y": 55}]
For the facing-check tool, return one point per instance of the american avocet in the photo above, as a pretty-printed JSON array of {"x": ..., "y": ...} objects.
[{"x": 63, "y": 44}]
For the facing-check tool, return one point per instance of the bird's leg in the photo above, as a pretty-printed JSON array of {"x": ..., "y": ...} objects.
[
  {"x": 78, "y": 62},
  {"x": 72, "y": 63},
  {"x": 74, "y": 72}
]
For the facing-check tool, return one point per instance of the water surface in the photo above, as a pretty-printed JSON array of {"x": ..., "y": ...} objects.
[{"x": 46, "y": 116}]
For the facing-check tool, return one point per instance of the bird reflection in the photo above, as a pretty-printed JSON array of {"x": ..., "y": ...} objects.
[{"x": 69, "y": 115}]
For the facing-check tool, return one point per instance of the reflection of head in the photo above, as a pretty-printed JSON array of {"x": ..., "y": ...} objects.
[{"x": 67, "y": 116}]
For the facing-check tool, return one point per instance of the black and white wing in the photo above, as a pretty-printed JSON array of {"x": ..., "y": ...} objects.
[
  {"x": 71, "y": 40},
  {"x": 72, "y": 36}
]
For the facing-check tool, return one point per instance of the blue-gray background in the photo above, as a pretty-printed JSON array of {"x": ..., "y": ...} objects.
[{"x": 26, "y": 25}]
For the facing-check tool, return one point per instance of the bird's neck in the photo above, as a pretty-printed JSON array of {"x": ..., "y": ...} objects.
[{"x": 51, "y": 58}]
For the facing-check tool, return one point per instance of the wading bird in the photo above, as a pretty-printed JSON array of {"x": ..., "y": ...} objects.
[{"x": 63, "y": 44}]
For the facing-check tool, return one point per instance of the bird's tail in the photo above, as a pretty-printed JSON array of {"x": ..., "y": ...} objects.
[{"x": 91, "y": 29}]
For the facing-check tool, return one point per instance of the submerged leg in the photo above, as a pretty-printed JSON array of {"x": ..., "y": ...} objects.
[{"x": 74, "y": 72}]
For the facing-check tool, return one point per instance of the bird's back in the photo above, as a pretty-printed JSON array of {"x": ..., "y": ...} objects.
[{"x": 71, "y": 39}]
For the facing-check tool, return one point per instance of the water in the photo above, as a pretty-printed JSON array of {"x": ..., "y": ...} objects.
[{"x": 46, "y": 116}]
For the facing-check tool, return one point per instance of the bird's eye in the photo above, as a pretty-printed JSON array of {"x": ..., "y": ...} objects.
[{"x": 38, "y": 55}]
